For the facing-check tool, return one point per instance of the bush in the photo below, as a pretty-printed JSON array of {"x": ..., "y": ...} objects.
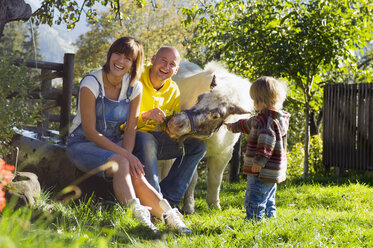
[
  {"x": 296, "y": 158},
  {"x": 295, "y": 161},
  {"x": 15, "y": 111}
]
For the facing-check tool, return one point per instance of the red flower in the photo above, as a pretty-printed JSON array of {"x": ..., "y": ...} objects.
[{"x": 6, "y": 176}]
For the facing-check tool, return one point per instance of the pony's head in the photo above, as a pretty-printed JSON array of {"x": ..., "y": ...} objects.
[{"x": 229, "y": 95}]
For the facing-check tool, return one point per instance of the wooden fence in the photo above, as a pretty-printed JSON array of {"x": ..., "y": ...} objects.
[
  {"x": 348, "y": 126},
  {"x": 54, "y": 97}
]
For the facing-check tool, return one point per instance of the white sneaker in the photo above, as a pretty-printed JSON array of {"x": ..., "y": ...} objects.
[
  {"x": 172, "y": 218},
  {"x": 142, "y": 214}
]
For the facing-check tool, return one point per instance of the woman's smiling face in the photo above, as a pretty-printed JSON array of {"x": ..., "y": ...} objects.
[{"x": 120, "y": 64}]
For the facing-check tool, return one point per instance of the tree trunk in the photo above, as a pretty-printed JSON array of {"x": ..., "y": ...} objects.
[
  {"x": 315, "y": 123},
  {"x": 306, "y": 136}
]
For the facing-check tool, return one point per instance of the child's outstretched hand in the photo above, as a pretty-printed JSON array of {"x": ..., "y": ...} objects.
[
  {"x": 229, "y": 126},
  {"x": 256, "y": 167}
]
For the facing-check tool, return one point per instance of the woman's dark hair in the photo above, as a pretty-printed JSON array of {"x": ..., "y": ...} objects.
[{"x": 132, "y": 49}]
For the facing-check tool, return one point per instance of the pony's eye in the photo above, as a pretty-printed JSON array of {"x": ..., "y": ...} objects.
[{"x": 214, "y": 116}]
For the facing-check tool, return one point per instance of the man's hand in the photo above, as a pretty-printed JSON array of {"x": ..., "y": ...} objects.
[
  {"x": 155, "y": 114},
  {"x": 256, "y": 167}
]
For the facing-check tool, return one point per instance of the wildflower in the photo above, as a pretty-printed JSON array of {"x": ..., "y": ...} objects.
[{"x": 6, "y": 176}]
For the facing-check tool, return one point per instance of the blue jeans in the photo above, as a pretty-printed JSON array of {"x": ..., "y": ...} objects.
[
  {"x": 259, "y": 198},
  {"x": 149, "y": 147}
]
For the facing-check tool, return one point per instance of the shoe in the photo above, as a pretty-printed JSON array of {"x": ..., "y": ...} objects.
[
  {"x": 172, "y": 218},
  {"x": 142, "y": 214}
]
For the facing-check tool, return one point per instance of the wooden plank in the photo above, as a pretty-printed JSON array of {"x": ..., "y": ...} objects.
[
  {"x": 354, "y": 124},
  {"x": 351, "y": 105},
  {"x": 359, "y": 127},
  {"x": 49, "y": 76},
  {"x": 39, "y": 64},
  {"x": 325, "y": 124},
  {"x": 365, "y": 128},
  {"x": 337, "y": 126},
  {"x": 333, "y": 130},
  {"x": 343, "y": 125}
]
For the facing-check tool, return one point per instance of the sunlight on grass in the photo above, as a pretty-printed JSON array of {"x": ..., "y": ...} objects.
[{"x": 310, "y": 214}]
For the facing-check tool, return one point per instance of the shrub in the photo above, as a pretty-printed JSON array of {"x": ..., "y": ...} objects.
[
  {"x": 295, "y": 161},
  {"x": 15, "y": 111},
  {"x": 296, "y": 158}
]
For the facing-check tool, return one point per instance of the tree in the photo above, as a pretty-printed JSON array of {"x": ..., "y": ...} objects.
[
  {"x": 69, "y": 11},
  {"x": 58, "y": 11},
  {"x": 20, "y": 40},
  {"x": 299, "y": 41},
  {"x": 152, "y": 27}
]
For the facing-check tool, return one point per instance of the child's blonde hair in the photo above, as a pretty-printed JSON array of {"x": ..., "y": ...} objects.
[{"x": 269, "y": 92}]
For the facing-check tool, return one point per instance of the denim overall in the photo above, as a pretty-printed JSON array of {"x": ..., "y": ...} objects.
[{"x": 110, "y": 115}]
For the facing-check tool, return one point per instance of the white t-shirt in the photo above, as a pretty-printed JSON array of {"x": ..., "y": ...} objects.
[{"x": 91, "y": 83}]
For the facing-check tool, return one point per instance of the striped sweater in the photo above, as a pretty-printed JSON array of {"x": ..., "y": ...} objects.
[{"x": 265, "y": 145}]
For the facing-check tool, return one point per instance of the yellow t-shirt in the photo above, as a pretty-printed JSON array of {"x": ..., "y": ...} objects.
[{"x": 166, "y": 98}]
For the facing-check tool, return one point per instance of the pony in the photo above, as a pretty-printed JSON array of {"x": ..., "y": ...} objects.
[{"x": 208, "y": 98}]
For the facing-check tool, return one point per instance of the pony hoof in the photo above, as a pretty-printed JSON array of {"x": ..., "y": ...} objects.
[
  {"x": 214, "y": 205},
  {"x": 188, "y": 209}
]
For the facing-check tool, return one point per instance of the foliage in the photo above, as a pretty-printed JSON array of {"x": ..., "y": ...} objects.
[
  {"x": 15, "y": 111},
  {"x": 359, "y": 70},
  {"x": 6, "y": 176},
  {"x": 299, "y": 41},
  {"x": 296, "y": 156},
  {"x": 69, "y": 11},
  {"x": 138, "y": 23},
  {"x": 295, "y": 161},
  {"x": 20, "y": 41},
  {"x": 316, "y": 148},
  {"x": 331, "y": 213}
]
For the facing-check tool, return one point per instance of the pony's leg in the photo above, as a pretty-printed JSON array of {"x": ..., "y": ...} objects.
[
  {"x": 188, "y": 202},
  {"x": 216, "y": 166}
]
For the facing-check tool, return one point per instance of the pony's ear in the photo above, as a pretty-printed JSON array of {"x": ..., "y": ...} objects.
[
  {"x": 236, "y": 110},
  {"x": 213, "y": 82}
]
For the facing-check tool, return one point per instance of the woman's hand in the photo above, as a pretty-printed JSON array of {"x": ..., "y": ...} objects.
[{"x": 136, "y": 167}]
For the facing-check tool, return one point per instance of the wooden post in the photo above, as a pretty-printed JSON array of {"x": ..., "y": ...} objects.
[
  {"x": 234, "y": 173},
  {"x": 46, "y": 89},
  {"x": 68, "y": 76}
]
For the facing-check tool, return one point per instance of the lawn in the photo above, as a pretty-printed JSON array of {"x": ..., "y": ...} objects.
[{"x": 322, "y": 212}]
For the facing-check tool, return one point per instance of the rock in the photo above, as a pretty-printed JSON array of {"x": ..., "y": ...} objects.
[{"x": 26, "y": 187}]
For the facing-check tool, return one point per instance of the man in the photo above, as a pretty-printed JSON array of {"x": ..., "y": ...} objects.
[{"x": 160, "y": 99}]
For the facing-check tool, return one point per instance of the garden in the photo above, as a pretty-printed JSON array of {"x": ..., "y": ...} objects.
[{"x": 308, "y": 44}]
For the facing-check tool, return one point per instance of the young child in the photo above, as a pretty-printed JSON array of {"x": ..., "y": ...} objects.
[{"x": 265, "y": 158}]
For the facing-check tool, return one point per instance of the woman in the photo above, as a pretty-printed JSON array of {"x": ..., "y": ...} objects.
[{"x": 108, "y": 98}]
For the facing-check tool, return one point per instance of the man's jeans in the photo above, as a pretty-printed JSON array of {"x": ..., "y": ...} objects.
[
  {"x": 259, "y": 198},
  {"x": 149, "y": 147}
]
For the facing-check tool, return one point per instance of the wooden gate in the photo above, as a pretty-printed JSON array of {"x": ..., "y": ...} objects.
[{"x": 348, "y": 126}]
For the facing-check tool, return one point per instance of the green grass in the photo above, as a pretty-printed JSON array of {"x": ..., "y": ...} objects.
[{"x": 322, "y": 212}]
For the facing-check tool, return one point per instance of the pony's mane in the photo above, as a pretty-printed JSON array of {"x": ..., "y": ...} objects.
[
  {"x": 214, "y": 66},
  {"x": 231, "y": 86}
]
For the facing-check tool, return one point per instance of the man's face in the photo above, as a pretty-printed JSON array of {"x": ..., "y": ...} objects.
[{"x": 165, "y": 64}]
